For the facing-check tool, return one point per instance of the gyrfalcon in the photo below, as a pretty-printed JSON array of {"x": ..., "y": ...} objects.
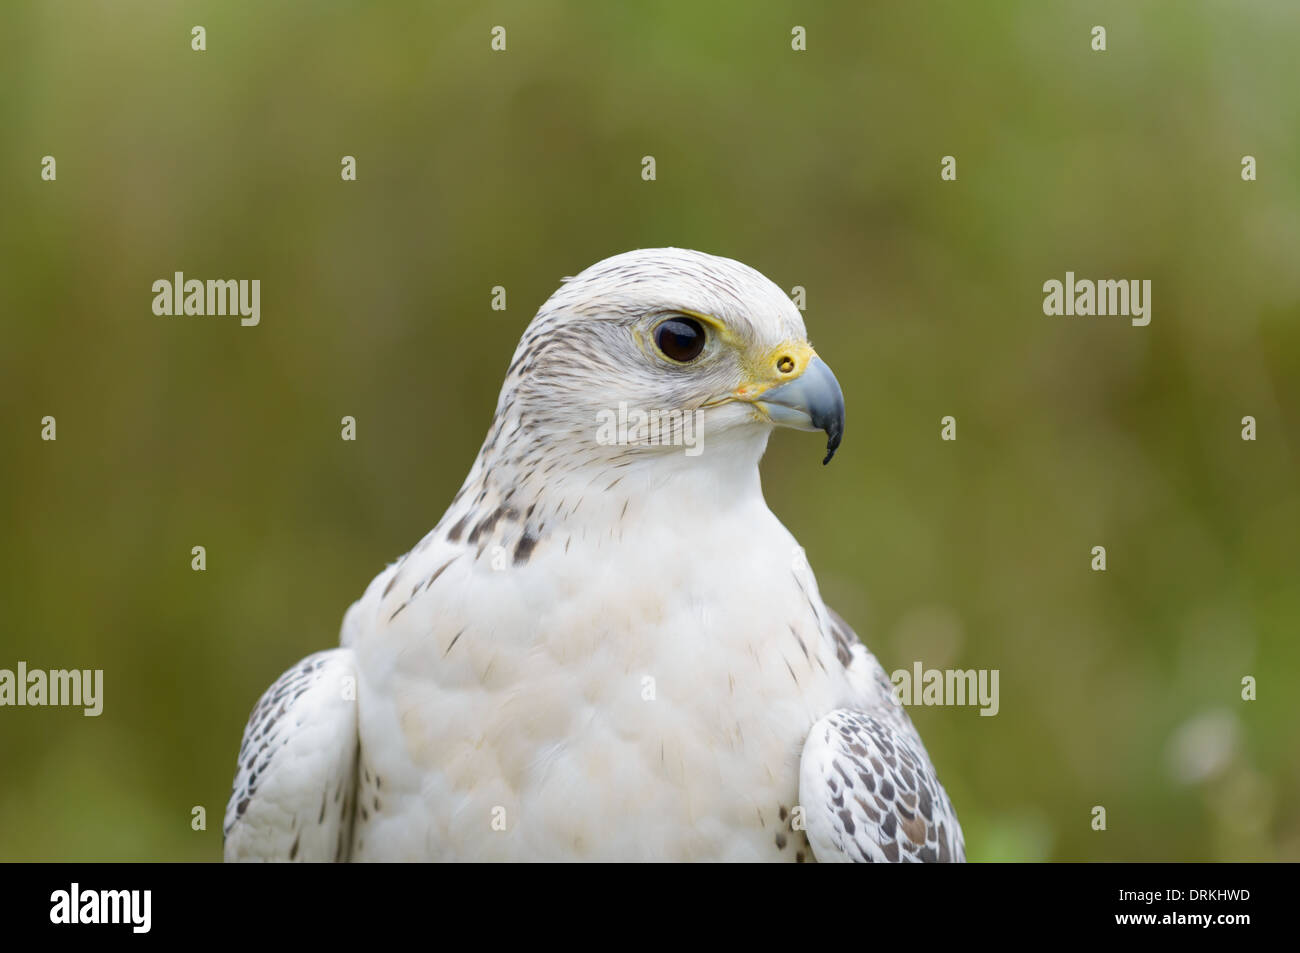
[{"x": 608, "y": 648}]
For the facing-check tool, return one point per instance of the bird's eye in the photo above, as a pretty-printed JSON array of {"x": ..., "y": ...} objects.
[{"x": 681, "y": 339}]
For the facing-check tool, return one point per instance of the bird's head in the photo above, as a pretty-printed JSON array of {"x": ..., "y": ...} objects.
[{"x": 666, "y": 351}]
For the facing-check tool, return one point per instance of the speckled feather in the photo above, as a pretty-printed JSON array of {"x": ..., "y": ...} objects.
[
  {"x": 295, "y": 784},
  {"x": 868, "y": 788}
]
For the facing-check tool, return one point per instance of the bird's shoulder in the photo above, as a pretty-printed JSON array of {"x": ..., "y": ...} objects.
[
  {"x": 866, "y": 782},
  {"x": 293, "y": 793}
]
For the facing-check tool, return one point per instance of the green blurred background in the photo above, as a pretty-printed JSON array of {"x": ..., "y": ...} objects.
[{"x": 819, "y": 168}]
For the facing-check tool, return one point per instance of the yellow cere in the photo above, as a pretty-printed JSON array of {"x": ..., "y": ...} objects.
[{"x": 761, "y": 371}]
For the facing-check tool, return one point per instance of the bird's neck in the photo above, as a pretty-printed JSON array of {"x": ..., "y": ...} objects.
[{"x": 522, "y": 501}]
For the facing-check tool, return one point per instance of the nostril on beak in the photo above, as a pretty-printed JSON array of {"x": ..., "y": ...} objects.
[{"x": 785, "y": 364}]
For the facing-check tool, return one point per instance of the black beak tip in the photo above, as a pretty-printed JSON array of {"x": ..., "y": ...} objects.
[{"x": 833, "y": 437}]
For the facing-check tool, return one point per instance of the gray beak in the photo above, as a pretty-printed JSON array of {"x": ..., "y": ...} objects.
[{"x": 812, "y": 401}]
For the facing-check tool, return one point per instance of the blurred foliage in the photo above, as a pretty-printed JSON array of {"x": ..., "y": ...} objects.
[{"x": 820, "y": 169}]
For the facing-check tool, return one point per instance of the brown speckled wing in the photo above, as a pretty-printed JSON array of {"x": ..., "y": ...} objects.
[{"x": 870, "y": 793}]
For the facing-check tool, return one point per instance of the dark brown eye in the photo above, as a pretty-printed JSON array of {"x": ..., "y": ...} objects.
[{"x": 682, "y": 339}]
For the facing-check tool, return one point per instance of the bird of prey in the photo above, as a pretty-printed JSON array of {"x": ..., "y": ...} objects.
[{"x": 608, "y": 648}]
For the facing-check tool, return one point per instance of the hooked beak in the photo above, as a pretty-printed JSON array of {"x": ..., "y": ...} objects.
[{"x": 812, "y": 401}]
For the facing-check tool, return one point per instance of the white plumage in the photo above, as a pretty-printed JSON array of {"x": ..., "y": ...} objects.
[{"x": 606, "y": 651}]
